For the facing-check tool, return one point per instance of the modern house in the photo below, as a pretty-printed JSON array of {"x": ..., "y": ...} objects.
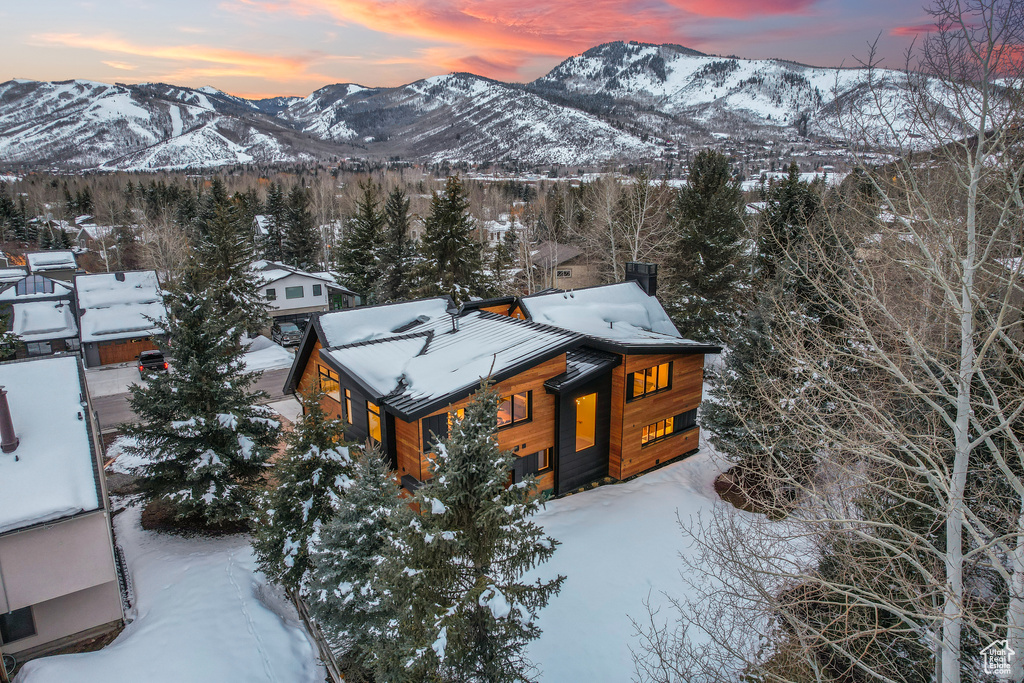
[
  {"x": 592, "y": 383},
  {"x": 41, "y": 312},
  {"x": 294, "y": 295},
  {"x": 118, "y": 315},
  {"x": 56, "y": 265},
  {"x": 58, "y": 581}
]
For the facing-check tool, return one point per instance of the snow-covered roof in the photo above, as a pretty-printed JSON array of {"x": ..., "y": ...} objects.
[
  {"x": 119, "y": 309},
  {"x": 430, "y": 363},
  {"x": 42, "y": 320},
  {"x": 52, "y": 473},
  {"x": 60, "y": 289},
  {"x": 12, "y": 274},
  {"x": 271, "y": 271},
  {"x": 41, "y": 261},
  {"x": 621, "y": 313},
  {"x": 367, "y": 323},
  {"x": 553, "y": 253}
]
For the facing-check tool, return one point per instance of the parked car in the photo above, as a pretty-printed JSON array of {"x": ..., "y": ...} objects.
[
  {"x": 152, "y": 361},
  {"x": 285, "y": 334}
]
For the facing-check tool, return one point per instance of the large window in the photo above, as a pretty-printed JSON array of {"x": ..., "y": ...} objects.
[
  {"x": 514, "y": 409},
  {"x": 17, "y": 625},
  {"x": 373, "y": 417},
  {"x": 649, "y": 381},
  {"x": 38, "y": 348},
  {"x": 271, "y": 294},
  {"x": 329, "y": 384},
  {"x": 293, "y": 292},
  {"x": 586, "y": 421},
  {"x": 34, "y": 284}
]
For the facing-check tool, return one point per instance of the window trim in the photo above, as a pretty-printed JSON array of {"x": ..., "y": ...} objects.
[
  {"x": 529, "y": 409},
  {"x": 289, "y": 290},
  {"x": 325, "y": 372},
  {"x": 318, "y": 290},
  {"x": 347, "y": 396},
  {"x": 631, "y": 383},
  {"x": 271, "y": 294}
]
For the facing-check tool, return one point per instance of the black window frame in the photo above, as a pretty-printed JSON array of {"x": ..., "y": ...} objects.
[
  {"x": 5, "y": 625},
  {"x": 658, "y": 439},
  {"x": 529, "y": 409},
  {"x": 527, "y": 465},
  {"x": 346, "y": 395},
  {"x": 331, "y": 376},
  {"x": 380, "y": 421},
  {"x": 318, "y": 290},
  {"x": 271, "y": 294},
  {"x": 631, "y": 383}
]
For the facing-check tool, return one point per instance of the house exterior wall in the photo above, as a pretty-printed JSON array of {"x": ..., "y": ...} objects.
[
  {"x": 65, "y": 572},
  {"x": 627, "y": 456},
  {"x": 116, "y": 351},
  {"x": 307, "y": 303},
  {"x": 574, "y": 274}
]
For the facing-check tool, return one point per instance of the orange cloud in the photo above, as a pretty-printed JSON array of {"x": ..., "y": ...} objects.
[
  {"x": 227, "y": 62},
  {"x": 912, "y": 30},
  {"x": 742, "y": 9}
]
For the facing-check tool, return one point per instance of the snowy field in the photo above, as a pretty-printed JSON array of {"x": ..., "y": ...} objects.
[{"x": 202, "y": 614}]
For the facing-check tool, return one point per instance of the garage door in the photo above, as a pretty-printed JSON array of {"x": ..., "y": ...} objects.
[{"x": 124, "y": 351}]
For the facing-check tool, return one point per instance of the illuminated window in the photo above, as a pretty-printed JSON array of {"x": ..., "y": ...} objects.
[
  {"x": 586, "y": 421},
  {"x": 348, "y": 405},
  {"x": 649, "y": 381},
  {"x": 543, "y": 459},
  {"x": 329, "y": 384},
  {"x": 373, "y": 417},
  {"x": 514, "y": 409},
  {"x": 657, "y": 431}
]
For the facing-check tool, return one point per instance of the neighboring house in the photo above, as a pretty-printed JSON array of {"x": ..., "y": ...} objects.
[
  {"x": 42, "y": 314},
  {"x": 562, "y": 266},
  {"x": 118, "y": 315},
  {"x": 260, "y": 227},
  {"x": 294, "y": 295},
  {"x": 57, "y": 265},
  {"x": 58, "y": 581},
  {"x": 593, "y": 383},
  {"x": 12, "y": 274}
]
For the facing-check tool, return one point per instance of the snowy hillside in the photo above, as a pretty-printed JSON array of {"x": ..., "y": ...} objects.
[{"x": 618, "y": 101}]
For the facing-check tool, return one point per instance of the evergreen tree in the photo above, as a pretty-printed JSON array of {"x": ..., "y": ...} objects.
[
  {"x": 467, "y": 615},
  {"x": 350, "y": 593},
  {"x": 209, "y": 203},
  {"x": 127, "y": 252},
  {"x": 789, "y": 207},
  {"x": 503, "y": 260},
  {"x": 46, "y": 238},
  {"x": 397, "y": 252},
  {"x": 204, "y": 439},
  {"x": 452, "y": 257},
  {"x": 61, "y": 240},
  {"x": 301, "y": 236},
  {"x": 277, "y": 216},
  {"x": 310, "y": 477},
  {"x": 705, "y": 264},
  {"x": 359, "y": 262},
  {"x": 224, "y": 267}
]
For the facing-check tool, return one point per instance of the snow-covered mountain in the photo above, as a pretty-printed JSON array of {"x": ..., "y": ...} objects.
[{"x": 618, "y": 101}]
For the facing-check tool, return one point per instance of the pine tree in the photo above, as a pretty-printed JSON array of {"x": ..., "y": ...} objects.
[
  {"x": 467, "y": 614},
  {"x": 397, "y": 252},
  {"x": 301, "y": 236},
  {"x": 310, "y": 478},
  {"x": 452, "y": 257},
  {"x": 503, "y": 260},
  {"x": 350, "y": 591},
  {"x": 359, "y": 261},
  {"x": 224, "y": 267},
  {"x": 277, "y": 216},
  {"x": 789, "y": 207},
  {"x": 706, "y": 262},
  {"x": 204, "y": 439}
]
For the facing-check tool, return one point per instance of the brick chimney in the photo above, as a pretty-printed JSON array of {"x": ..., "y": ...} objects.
[
  {"x": 645, "y": 275},
  {"x": 8, "y": 441}
]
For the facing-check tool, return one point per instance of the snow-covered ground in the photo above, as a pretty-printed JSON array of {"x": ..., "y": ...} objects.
[
  {"x": 202, "y": 613},
  {"x": 289, "y": 408},
  {"x": 620, "y": 545},
  {"x": 264, "y": 354},
  {"x": 109, "y": 380}
]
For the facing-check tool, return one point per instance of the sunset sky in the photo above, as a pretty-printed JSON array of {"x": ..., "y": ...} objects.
[{"x": 258, "y": 48}]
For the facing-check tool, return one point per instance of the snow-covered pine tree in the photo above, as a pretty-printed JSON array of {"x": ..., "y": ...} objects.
[
  {"x": 272, "y": 243},
  {"x": 359, "y": 263},
  {"x": 308, "y": 480},
  {"x": 204, "y": 439},
  {"x": 397, "y": 251},
  {"x": 350, "y": 592},
  {"x": 301, "y": 235},
  {"x": 706, "y": 262},
  {"x": 223, "y": 271},
  {"x": 789, "y": 207},
  {"x": 453, "y": 259},
  {"x": 468, "y": 615},
  {"x": 503, "y": 260}
]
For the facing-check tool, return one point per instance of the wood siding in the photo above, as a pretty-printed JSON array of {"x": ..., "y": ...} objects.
[
  {"x": 626, "y": 455},
  {"x": 528, "y": 437},
  {"x": 125, "y": 351}
]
